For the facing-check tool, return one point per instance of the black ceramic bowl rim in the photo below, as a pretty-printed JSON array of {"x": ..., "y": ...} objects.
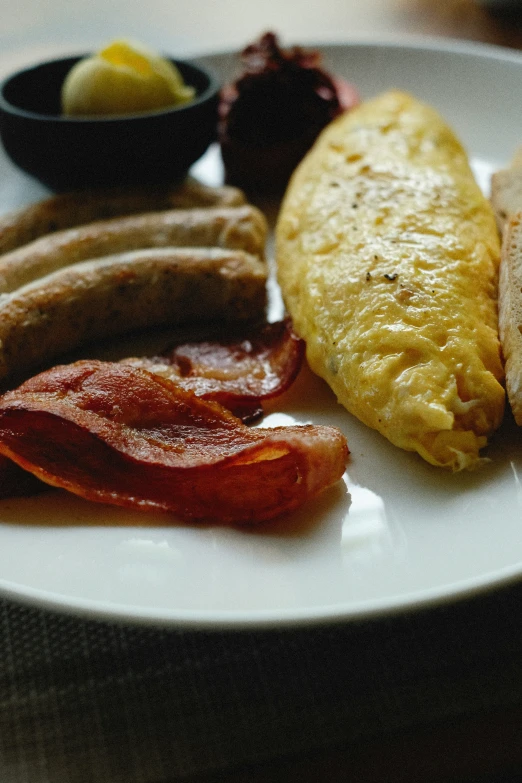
[{"x": 207, "y": 93}]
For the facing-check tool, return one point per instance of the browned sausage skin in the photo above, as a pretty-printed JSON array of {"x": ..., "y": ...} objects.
[
  {"x": 115, "y": 295},
  {"x": 236, "y": 228},
  {"x": 74, "y": 209}
]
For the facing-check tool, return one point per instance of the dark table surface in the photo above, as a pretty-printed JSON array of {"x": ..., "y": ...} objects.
[{"x": 428, "y": 696}]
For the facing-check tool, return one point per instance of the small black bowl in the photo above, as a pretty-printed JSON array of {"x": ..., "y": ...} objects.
[{"x": 67, "y": 153}]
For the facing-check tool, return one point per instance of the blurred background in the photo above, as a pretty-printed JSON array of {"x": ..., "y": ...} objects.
[{"x": 31, "y": 29}]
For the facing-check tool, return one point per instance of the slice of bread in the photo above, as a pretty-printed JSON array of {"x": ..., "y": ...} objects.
[
  {"x": 517, "y": 159},
  {"x": 506, "y": 191},
  {"x": 506, "y": 194},
  {"x": 510, "y": 311}
]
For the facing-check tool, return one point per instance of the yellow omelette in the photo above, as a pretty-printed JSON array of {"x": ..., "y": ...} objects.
[{"x": 387, "y": 257}]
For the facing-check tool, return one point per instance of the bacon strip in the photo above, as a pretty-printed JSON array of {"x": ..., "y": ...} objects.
[
  {"x": 15, "y": 482},
  {"x": 113, "y": 433},
  {"x": 236, "y": 372}
]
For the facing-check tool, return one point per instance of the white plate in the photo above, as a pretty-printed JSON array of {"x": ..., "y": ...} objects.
[{"x": 396, "y": 535}]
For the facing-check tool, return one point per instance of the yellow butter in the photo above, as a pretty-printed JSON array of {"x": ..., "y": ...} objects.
[
  {"x": 123, "y": 78},
  {"x": 387, "y": 256}
]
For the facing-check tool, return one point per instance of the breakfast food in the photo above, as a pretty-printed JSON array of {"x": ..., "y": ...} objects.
[
  {"x": 17, "y": 482},
  {"x": 506, "y": 191},
  {"x": 117, "y": 294},
  {"x": 151, "y": 433},
  {"x": 271, "y": 115},
  {"x": 117, "y": 434},
  {"x": 387, "y": 257},
  {"x": 510, "y": 311},
  {"x": 238, "y": 371},
  {"x": 236, "y": 228},
  {"x": 91, "y": 278},
  {"x": 123, "y": 78},
  {"x": 66, "y": 210}
]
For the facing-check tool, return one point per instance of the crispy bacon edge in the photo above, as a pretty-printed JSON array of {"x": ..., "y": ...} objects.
[
  {"x": 113, "y": 433},
  {"x": 266, "y": 363}
]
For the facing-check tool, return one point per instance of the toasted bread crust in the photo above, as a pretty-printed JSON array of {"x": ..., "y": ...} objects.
[
  {"x": 510, "y": 311},
  {"x": 506, "y": 194}
]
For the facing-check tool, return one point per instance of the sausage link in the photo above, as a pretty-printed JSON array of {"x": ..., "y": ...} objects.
[
  {"x": 237, "y": 228},
  {"x": 119, "y": 294},
  {"x": 79, "y": 207}
]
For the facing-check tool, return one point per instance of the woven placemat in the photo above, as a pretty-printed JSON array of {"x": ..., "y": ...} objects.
[{"x": 83, "y": 700}]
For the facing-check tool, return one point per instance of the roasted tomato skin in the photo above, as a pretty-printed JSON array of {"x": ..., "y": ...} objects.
[{"x": 271, "y": 115}]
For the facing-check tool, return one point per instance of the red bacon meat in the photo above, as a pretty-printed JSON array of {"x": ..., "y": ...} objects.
[
  {"x": 237, "y": 372},
  {"x": 117, "y": 434}
]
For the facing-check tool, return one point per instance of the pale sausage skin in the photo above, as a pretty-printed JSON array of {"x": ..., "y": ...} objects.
[
  {"x": 65, "y": 210},
  {"x": 238, "y": 228},
  {"x": 123, "y": 293}
]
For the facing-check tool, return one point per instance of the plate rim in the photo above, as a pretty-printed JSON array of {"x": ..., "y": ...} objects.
[
  {"x": 432, "y": 43},
  {"x": 265, "y": 619}
]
